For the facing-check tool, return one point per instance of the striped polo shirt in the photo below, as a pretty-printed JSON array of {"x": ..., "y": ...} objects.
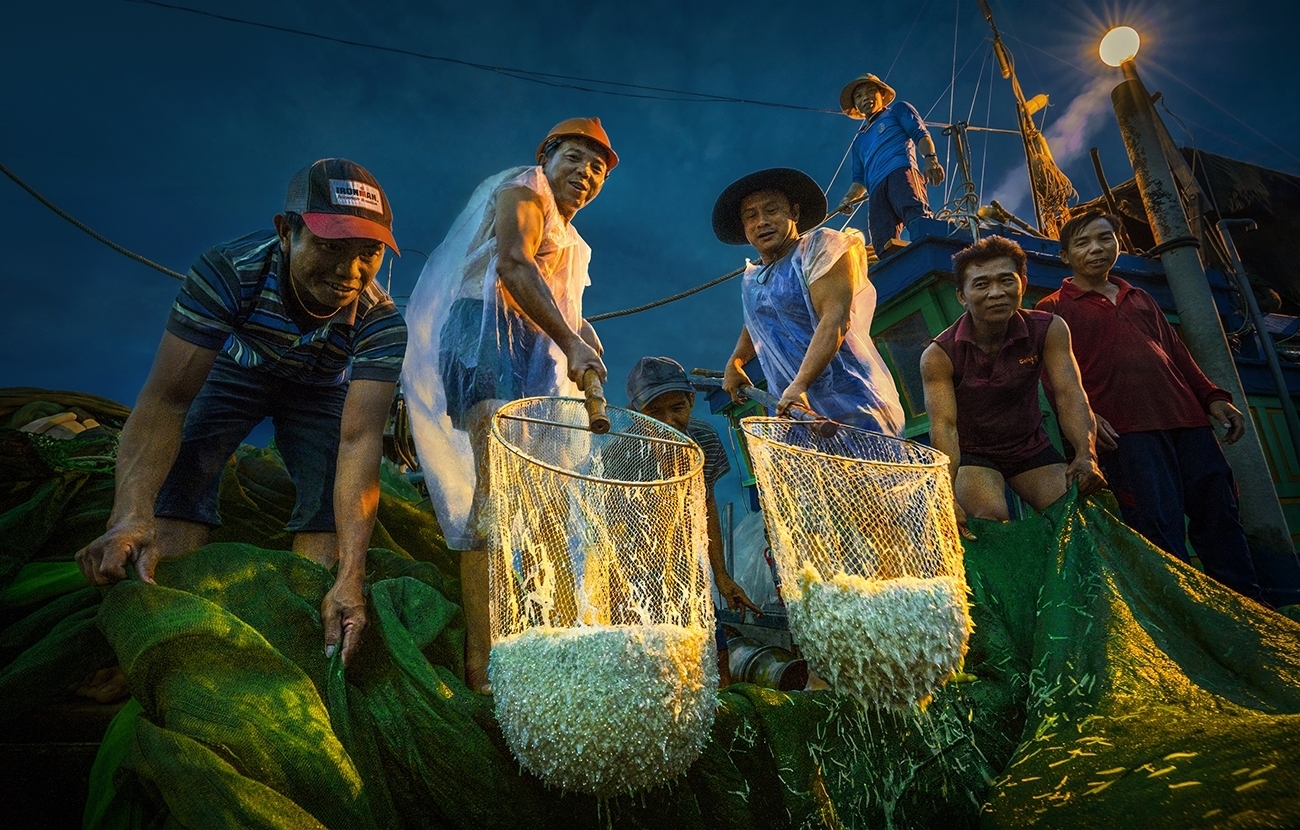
[
  {"x": 715, "y": 457},
  {"x": 231, "y": 301},
  {"x": 628, "y": 459}
]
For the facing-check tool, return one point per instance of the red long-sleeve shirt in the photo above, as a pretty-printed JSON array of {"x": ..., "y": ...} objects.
[{"x": 1137, "y": 372}]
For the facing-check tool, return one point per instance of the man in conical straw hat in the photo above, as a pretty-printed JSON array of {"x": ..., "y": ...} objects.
[
  {"x": 497, "y": 316},
  {"x": 884, "y": 158},
  {"x": 807, "y": 304}
]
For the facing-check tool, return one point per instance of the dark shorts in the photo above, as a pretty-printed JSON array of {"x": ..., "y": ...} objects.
[
  {"x": 232, "y": 401},
  {"x": 897, "y": 200},
  {"x": 501, "y": 363},
  {"x": 1010, "y": 468}
]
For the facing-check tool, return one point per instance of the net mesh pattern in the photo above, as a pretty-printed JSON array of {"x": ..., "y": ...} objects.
[
  {"x": 856, "y": 503},
  {"x": 594, "y": 529},
  {"x": 1118, "y": 687},
  {"x": 862, "y": 529}
]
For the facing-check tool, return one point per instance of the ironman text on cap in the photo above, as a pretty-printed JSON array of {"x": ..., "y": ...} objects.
[{"x": 348, "y": 193}]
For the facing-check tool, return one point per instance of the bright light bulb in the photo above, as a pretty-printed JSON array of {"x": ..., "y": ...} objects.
[{"x": 1119, "y": 44}]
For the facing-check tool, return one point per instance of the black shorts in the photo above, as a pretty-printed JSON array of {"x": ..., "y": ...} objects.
[{"x": 1012, "y": 468}]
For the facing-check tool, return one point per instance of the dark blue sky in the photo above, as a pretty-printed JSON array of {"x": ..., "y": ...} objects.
[{"x": 168, "y": 132}]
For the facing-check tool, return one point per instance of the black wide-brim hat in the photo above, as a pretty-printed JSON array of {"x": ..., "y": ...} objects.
[{"x": 797, "y": 186}]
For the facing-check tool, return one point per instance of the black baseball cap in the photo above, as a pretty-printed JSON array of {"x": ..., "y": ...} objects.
[
  {"x": 339, "y": 199},
  {"x": 653, "y": 376}
]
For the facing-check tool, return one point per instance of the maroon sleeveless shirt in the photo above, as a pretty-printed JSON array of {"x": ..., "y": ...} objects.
[{"x": 997, "y": 395}]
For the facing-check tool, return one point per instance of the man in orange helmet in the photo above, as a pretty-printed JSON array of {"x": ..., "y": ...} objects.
[{"x": 497, "y": 316}]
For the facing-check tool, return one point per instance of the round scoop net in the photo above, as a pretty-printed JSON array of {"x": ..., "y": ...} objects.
[
  {"x": 603, "y": 666},
  {"x": 862, "y": 530}
]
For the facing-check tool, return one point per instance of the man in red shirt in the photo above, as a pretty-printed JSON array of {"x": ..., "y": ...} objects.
[
  {"x": 981, "y": 392},
  {"x": 1151, "y": 401}
]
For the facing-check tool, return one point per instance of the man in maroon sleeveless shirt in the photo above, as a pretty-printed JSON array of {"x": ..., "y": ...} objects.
[{"x": 981, "y": 392}]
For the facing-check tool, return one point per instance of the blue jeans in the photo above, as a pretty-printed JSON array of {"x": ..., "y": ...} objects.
[
  {"x": 232, "y": 401},
  {"x": 500, "y": 364},
  {"x": 1162, "y": 475},
  {"x": 897, "y": 200}
]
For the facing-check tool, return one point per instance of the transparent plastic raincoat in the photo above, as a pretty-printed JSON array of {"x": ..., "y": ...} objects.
[
  {"x": 856, "y": 388},
  {"x": 470, "y": 344}
]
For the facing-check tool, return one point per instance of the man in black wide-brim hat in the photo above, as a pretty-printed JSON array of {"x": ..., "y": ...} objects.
[{"x": 807, "y": 303}]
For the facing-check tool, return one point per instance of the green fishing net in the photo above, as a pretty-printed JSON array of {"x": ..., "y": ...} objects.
[{"x": 1115, "y": 687}]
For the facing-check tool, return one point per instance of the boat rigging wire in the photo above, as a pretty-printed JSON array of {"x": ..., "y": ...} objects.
[
  {"x": 939, "y": 100},
  {"x": 843, "y": 158},
  {"x": 175, "y": 275},
  {"x": 988, "y": 113},
  {"x": 1213, "y": 234},
  {"x": 1196, "y": 157},
  {"x": 924, "y": 6},
  {"x": 979, "y": 78},
  {"x": 535, "y": 76},
  {"x": 86, "y": 228},
  {"x": 952, "y": 93},
  {"x": 609, "y": 315},
  {"x": 1162, "y": 70}
]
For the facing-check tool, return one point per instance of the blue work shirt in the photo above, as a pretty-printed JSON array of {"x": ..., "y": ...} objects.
[{"x": 886, "y": 143}]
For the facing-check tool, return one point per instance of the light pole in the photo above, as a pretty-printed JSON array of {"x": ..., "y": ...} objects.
[{"x": 1142, "y": 130}]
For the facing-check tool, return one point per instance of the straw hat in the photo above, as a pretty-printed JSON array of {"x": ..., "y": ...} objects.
[{"x": 846, "y": 94}]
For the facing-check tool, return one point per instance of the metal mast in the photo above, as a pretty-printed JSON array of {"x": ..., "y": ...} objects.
[{"x": 1050, "y": 187}]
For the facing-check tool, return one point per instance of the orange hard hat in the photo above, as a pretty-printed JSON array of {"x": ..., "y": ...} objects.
[{"x": 585, "y": 127}]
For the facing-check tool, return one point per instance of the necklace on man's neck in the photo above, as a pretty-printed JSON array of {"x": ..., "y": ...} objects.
[
  {"x": 763, "y": 274},
  {"x": 298, "y": 298}
]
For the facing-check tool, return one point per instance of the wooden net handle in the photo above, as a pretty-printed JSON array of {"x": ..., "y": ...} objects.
[{"x": 594, "y": 390}]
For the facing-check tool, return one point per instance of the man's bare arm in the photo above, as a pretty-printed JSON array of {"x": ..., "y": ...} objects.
[
  {"x": 832, "y": 302},
  {"x": 1077, "y": 424},
  {"x": 941, "y": 407},
  {"x": 930, "y": 166},
  {"x": 588, "y": 333},
  {"x": 356, "y": 501},
  {"x": 728, "y": 589},
  {"x": 941, "y": 404},
  {"x": 734, "y": 378},
  {"x": 519, "y": 226},
  {"x": 150, "y": 440}
]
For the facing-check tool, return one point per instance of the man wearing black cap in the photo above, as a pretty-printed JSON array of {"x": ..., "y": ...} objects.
[
  {"x": 808, "y": 304},
  {"x": 287, "y": 324}
]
